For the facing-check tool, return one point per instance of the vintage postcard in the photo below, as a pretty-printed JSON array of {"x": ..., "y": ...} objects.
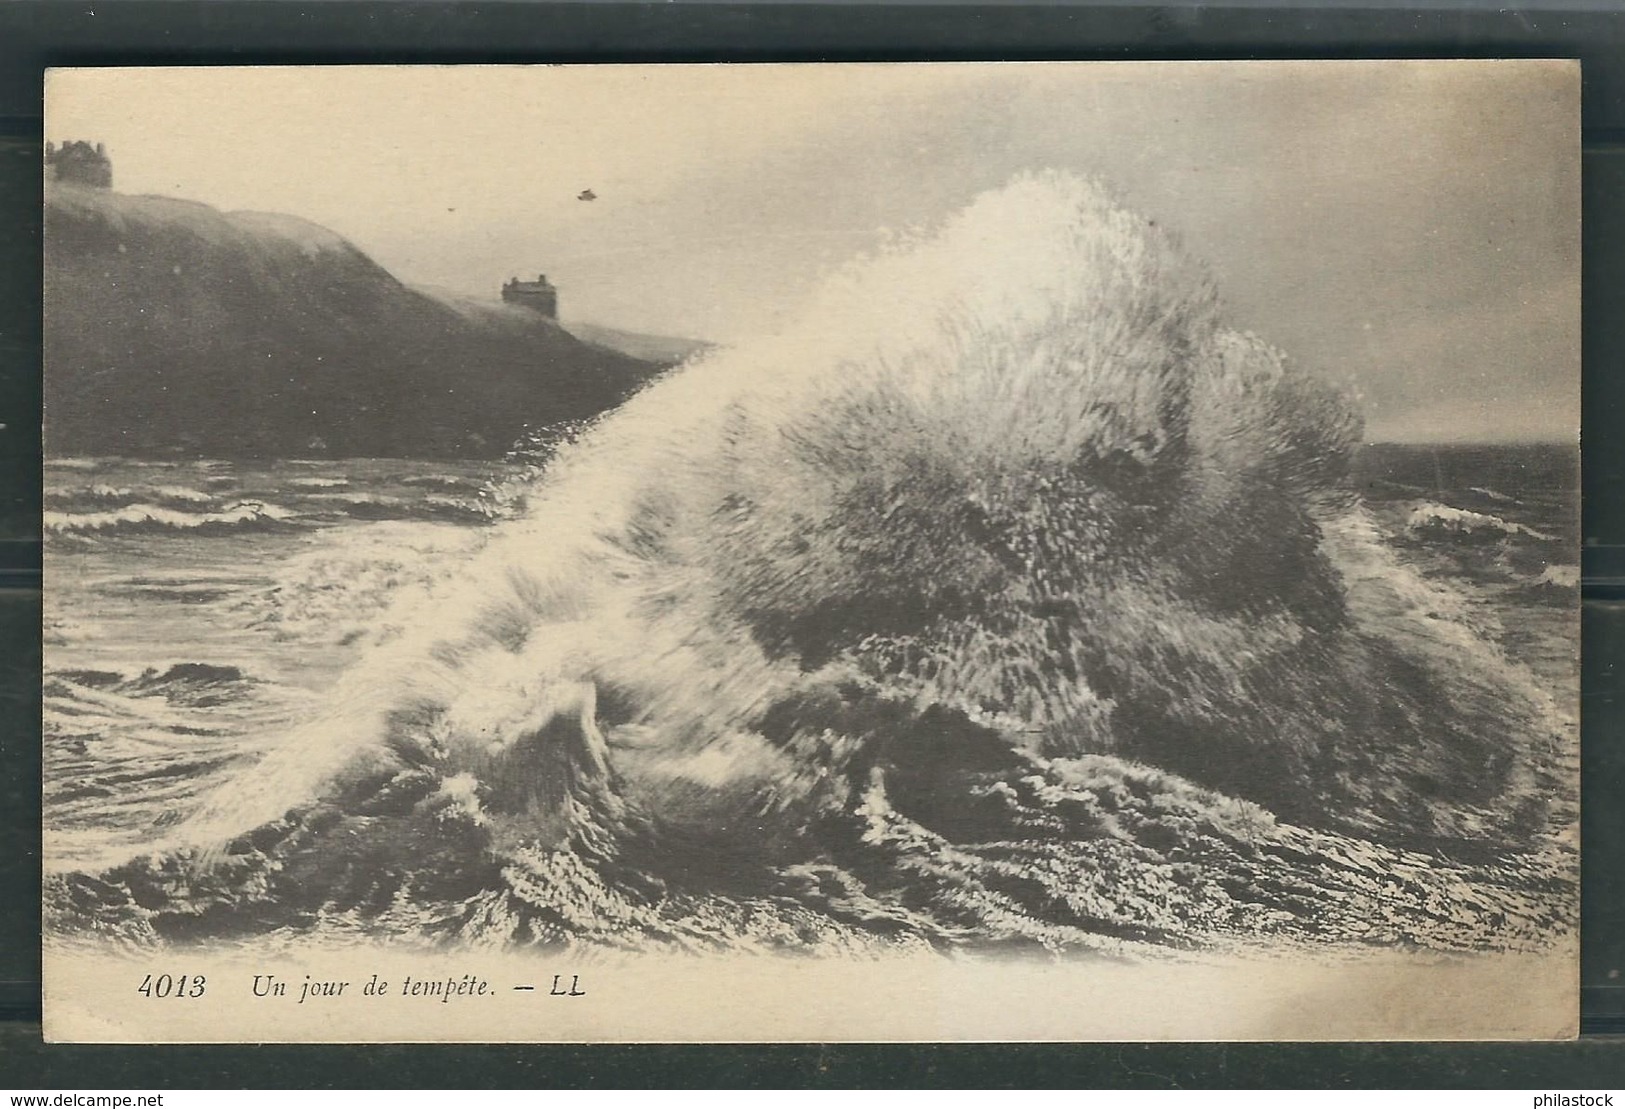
[{"x": 812, "y": 552}]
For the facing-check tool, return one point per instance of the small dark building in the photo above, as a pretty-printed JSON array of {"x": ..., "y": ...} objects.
[
  {"x": 539, "y": 295},
  {"x": 80, "y": 163}
]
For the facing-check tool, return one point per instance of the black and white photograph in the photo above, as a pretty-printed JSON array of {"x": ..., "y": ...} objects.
[{"x": 983, "y": 551}]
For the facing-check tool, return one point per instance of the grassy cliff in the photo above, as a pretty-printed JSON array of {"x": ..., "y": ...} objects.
[{"x": 174, "y": 328}]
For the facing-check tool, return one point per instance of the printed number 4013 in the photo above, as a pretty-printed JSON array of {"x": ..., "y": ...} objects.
[{"x": 168, "y": 986}]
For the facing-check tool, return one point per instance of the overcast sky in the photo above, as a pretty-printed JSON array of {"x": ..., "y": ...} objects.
[{"x": 1412, "y": 227}]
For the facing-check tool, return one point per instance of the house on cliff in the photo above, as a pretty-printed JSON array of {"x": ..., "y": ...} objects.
[
  {"x": 79, "y": 163},
  {"x": 540, "y": 295}
]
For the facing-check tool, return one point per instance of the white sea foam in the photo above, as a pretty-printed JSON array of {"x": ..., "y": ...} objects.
[
  {"x": 151, "y": 516},
  {"x": 1438, "y": 518},
  {"x": 1563, "y": 577},
  {"x": 1016, "y": 470}
]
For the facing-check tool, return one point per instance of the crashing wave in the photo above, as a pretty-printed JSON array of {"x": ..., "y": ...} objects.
[
  {"x": 1011, "y": 597},
  {"x": 100, "y": 496},
  {"x": 152, "y": 517},
  {"x": 1560, "y": 577},
  {"x": 1438, "y": 521},
  {"x": 1556, "y": 585},
  {"x": 384, "y": 506},
  {"x": 441, "y": 481}
]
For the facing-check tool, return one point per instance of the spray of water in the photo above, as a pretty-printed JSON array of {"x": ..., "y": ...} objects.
[{"x": 1008, "y": 497}]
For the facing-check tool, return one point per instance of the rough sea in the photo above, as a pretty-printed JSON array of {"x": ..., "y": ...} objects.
[
  {"x": 1033, "y": 608},
  {"x": 196, "y": 611}
]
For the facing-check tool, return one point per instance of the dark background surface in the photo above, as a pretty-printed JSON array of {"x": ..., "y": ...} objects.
[{"x": 35, "y": 34}]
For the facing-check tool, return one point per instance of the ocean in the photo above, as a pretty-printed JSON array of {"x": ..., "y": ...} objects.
[
  {"x": 1028, "y": 609},
  {"x": 194, "y": 606},
  {"x": 198, "y": 611}
]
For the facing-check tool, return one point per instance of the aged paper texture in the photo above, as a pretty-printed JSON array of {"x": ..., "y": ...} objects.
[{"x": 819, "y": 552}]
